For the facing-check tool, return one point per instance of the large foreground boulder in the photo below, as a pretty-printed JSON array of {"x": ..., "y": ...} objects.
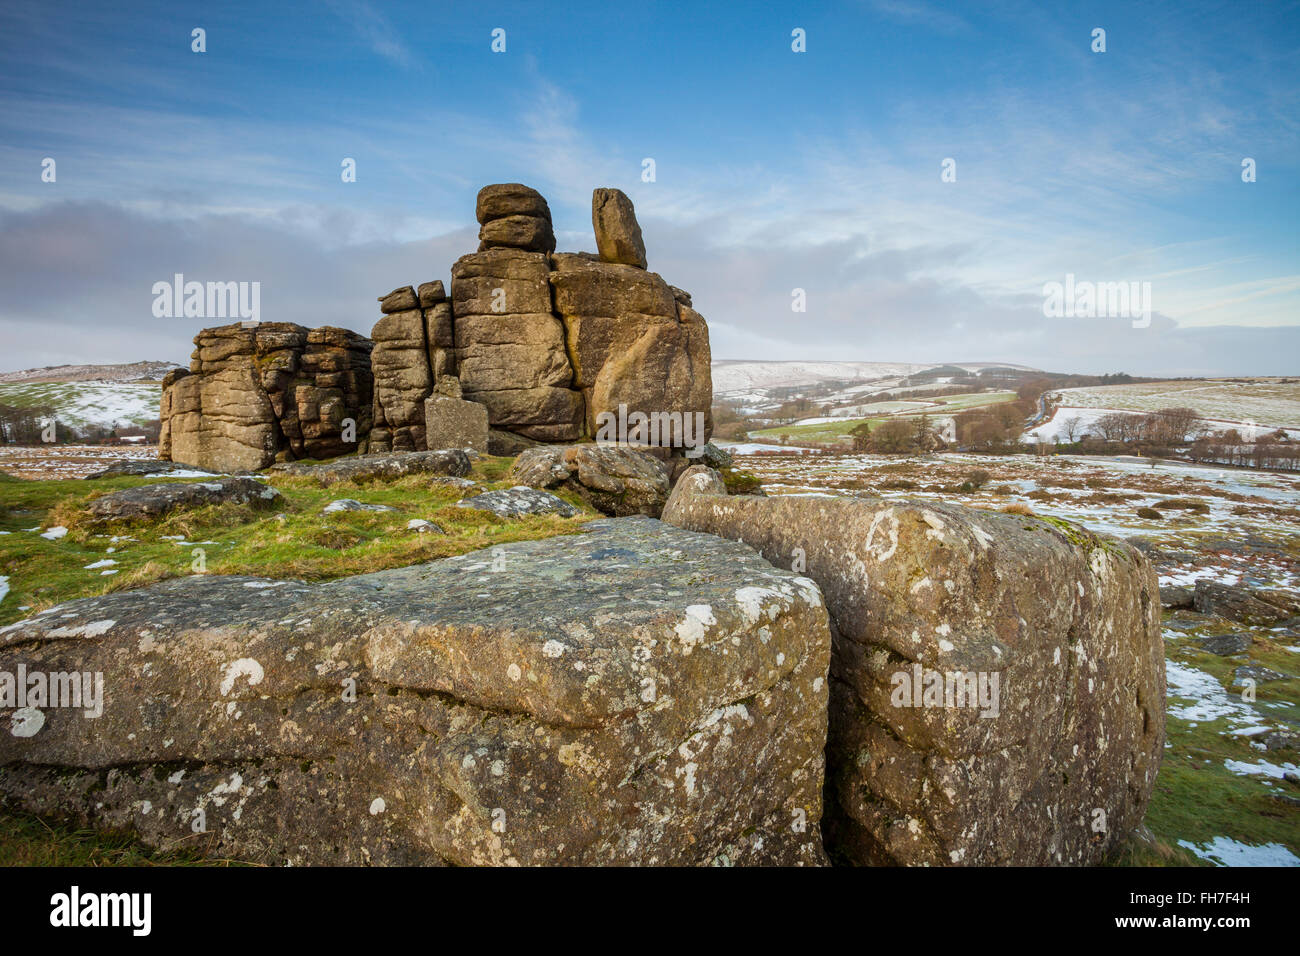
[
  {"x": 632, "y": 694},
  {"x": 615, "y": 479},
  {"x": 998, "y": 683}
]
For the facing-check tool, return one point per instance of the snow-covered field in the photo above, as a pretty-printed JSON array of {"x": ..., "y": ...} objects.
[
  {"x": 66, "y": 461},
  {"x": 1083, "y": 421},
  {"x": 88, "y": 403},
  {"x": 1267, "y": 402},
  {"x": 743, "y": 378},
  {"x": 741, "y": 381}
]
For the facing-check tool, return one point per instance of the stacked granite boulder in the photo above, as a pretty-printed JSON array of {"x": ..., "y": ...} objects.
[
  {"x": 273, "y": 392},
  {"x": 548, "y": 341},
  {"x": 513, "y": 216},
  {"x": 413, "y": 349}
]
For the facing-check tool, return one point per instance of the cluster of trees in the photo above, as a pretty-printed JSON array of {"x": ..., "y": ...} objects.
[
  {"x": 32, "y": 426},
  {"x": 913, "y": 435},
  {"x": 1158, "y": 430},
  {"x": 1227, "y": 447},
  {"x": 24, "y": 426}
]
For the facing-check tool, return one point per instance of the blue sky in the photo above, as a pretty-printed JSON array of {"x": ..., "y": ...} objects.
[{"x": 774, "y": 169}]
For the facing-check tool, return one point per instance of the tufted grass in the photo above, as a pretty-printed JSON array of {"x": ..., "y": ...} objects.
[{"x": 291, "y": 539}]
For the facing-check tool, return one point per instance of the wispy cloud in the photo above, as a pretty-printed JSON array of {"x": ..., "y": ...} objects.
[{"x": 375, "y": 30}]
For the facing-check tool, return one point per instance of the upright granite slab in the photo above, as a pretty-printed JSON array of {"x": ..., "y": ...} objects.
[{"x": 632, "y": 694}]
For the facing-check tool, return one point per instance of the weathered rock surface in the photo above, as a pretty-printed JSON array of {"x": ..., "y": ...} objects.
[
  {"x": 366, "y": 468},
  {"x": 165, "y": 411},
  {"x": 508, "y": 444},
  {"x": 634, "y": 694},
  {"x": 399, "y": 300},
  {"x": 510, "y": 353},
  {"x": 414, "y": 349},
  {"x": 615, "y": 479},
  {"x": 618, "y": 235},
  {"x": 1243, "y": 605},
  {"x": 513, "y": 216},
  {"x": 152, "y": 501},
  {"x": 1061, "y": 765},
  {"x": 1257, "y": 673},
  {"x": 632, "y": 343},
  {"x": 276, "y": 391},
  {"x": 510, "y": 199},
  {"x": 351, "y": 504},
  {"x": 1224, "y": 644},
  {"x": 452, "y": 422},
  {"x": 517, "y": 501}
]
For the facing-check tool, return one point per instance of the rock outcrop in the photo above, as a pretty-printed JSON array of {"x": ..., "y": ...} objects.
[
  {"x": 556, "y": 348},
  {"x": 614, "y": 479},
  {"x": 277, "y": 391},
  {"x": 673, "y": 714},
  {"x": 138, "y": 467},
  {"x": 1049, "y": 634}
]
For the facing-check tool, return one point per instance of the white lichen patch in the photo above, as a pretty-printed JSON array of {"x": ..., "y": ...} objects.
[
  {"x": 93, "y": 629},
  {"x": 691, "y": 629},
  {"x": 26, "y": 722},
  {"x": 751, "y": 601},
  {"x": 244, "y": 667}
]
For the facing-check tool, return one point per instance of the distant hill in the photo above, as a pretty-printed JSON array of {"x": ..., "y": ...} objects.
[
  {"x": 131, "y": 372},
  {"x": 741, "y": 378}
]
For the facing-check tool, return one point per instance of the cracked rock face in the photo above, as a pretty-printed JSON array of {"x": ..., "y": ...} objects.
[
  {"x": 633, "y": 694},
  {"x": 1062, "y": 766}
]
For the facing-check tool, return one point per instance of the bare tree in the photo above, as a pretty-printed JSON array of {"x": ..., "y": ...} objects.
[{"x": 1072, "y": 428}]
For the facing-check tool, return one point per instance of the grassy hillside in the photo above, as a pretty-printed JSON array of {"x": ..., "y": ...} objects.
[{"x": 79, "y": 404}]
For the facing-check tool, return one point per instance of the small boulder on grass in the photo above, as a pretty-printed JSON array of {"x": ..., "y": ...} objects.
[
  {"x": 1257, "y": 673},
  {"x": 422, "y": 526},
  {"x": 154, "y": 501},
  {"x": 1224, "y": 644},
  {"x": 351, "y": 504},
  {"x": 519, "y": 500}
]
